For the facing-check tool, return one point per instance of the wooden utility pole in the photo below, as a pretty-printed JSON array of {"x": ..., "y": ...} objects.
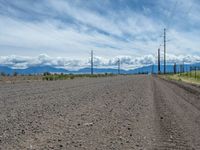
[
  {"x": 159, "y": 61},
  {"x": 92, "y": 63},
  {"x": 174, "y": 68},
  {"x": 181, "y": 68},
  {"x": 152, "y": 69},
  {"x": 164, "y": 51},
  {"x": 195, "y": 72},
  {"x": 118, "y": 62}
]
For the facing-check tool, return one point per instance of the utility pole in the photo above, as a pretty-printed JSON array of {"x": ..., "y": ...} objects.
[
  {"x": 118, "y": 65},
  {"x": 92, "y": 63},
  {"x": 159, "y": 61},
  {"x": 174, "y": 68},
  {"x": 164, "y": 51},
  {"x": 152, "y": 69},
  {"x": 195, "y": 72},
  {"x": 181, "y": 69}
]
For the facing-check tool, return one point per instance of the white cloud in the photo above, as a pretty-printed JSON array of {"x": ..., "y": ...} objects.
[
  {"x": 135, "y": 35},
  {"x": 127, "y": 62}
]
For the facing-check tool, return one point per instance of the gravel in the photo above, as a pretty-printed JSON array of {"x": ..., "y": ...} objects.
[{"x": 110, "y": 113}]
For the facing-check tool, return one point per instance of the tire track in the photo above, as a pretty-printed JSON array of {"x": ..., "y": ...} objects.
[{"x": 175, "y": 131}]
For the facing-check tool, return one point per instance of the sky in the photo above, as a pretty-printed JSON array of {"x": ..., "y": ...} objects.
[{"x": 62, "y": 33}]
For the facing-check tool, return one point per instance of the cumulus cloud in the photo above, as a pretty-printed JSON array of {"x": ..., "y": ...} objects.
[{"x": 127, "y": 62}]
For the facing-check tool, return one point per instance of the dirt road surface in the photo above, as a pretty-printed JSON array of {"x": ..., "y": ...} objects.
[{"x": 112, "y": 113}]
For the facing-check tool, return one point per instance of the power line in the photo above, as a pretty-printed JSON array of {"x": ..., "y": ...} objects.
[
  {"x": 171, "y": 16},
  {"x": 167, "y": 27},
  {"x": 189, "y": 10},
  {"x": 170, "y": 20}
]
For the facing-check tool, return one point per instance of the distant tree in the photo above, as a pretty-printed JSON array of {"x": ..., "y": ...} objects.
[
  {"x": 46, "y": 73},
  {"x": 15, "y": 73},
  {"x": 3, "y": 74}
]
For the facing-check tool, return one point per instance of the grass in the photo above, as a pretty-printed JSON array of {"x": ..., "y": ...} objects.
[
  {"x": 49, "y": 77},
  {"x": 20, "y": 78},
  {"x": 189, "y": 77},
  {"x": 52, "y": 77}
]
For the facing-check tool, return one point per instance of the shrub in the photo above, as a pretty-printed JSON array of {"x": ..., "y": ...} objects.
[
  {"x": 71, "y": 77},
  {"x": 51, "y": 78},
  {"x": 3, "y": 74},
  {"x": 46, "y": 73},
  {"x": 15, "y": 73}
]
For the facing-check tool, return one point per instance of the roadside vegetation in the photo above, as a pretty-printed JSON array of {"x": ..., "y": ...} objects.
[
  {"x": 189, "y": 77},
  {"x": 51, "y": 77},
  {"x": 17, "y": 77},
  {"x": 47, "y": 76}
]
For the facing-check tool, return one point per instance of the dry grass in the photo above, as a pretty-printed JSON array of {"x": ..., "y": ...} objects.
[
  {"x": 20, "y": 78},
  {"x": 188, "y": 77},
  {"x": 49, "y": 77}
]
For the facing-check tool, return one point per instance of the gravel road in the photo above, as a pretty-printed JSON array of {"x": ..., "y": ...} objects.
[{"x": 112, "y": 113}]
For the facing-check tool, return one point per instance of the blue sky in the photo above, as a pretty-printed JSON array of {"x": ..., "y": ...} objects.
[{"x": 62, "y": 32}]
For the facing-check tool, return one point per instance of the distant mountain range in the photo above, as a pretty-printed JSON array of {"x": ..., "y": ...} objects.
[{"x": 42, "y": 69}]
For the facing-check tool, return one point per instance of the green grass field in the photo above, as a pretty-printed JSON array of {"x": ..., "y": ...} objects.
[{"x": 189, "y": 77}]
